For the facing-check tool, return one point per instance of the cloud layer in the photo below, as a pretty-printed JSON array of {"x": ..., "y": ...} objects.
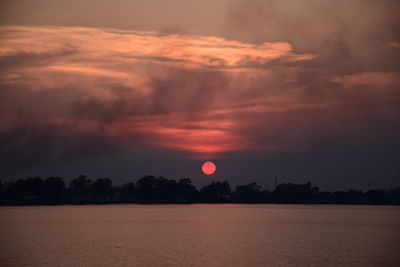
[
  {"x": 73, "y": 92},
  {"x": 166, "y": 87}
]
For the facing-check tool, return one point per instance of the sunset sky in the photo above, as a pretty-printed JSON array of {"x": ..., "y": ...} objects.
[{"x": 303, "y": 90}]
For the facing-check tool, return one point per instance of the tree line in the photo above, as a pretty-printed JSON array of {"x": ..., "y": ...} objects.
[{"x": 151, "y": 189}]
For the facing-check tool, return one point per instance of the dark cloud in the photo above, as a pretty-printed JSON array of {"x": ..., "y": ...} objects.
[
  {"x": 351, "y": 36},
  {"x": 176, "y": 91},
  {"x": 322, "y": 105},
  {"x": 31, "y": 142},
  {"x": 23, "y": 59},
  {"x": 187, "y": 91}
]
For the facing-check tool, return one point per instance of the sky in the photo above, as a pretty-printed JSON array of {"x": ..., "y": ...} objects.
[{"x": 304, "y": 90}]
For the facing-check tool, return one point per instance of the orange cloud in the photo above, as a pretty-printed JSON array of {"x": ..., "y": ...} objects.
[
  {"x": 374, "y": 79},
  {"x": 107, "y": 44},
  {"x": 201, "y": 94}
]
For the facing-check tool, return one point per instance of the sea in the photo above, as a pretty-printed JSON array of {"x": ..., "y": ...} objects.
[{"x": 200, "y": 235}]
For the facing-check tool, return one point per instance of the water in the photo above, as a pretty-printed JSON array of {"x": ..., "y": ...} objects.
[{"x": 200, "y": 235}]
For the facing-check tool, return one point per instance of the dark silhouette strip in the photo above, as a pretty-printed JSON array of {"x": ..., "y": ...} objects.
[{"x": 151, "y": 189}]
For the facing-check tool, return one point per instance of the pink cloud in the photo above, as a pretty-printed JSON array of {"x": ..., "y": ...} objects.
[{"x": 202, "y": 94}]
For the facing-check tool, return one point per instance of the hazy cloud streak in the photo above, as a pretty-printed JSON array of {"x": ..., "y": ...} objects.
[{"x": 205, "y": 95}]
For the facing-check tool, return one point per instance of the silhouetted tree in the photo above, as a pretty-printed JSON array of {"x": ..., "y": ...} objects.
[
  {"x": 295, "y": 193},
  {"x": 3, "y": 195},
  {"x": 146, "y": 189},
  {"x": 80, "y": 186},
  {"x": 28, "y": 189},
  {"x": 102, "y": 188},
  {"x": 326, "y": 197},
  {"x": 53, "y": 188},
  {"x": 250, "y": 193},
  {"x": 150, "y": 189},
  {"x": 128, "y": 192},
  {"x": 166, "y": 190},
  {"x": 186, "y": 191},
  {"x": 216, "y": 192},
  {"x": 267, "y": 196}
]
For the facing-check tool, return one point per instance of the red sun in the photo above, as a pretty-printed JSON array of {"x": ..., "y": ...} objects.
[{"x": 208, "y": 167}]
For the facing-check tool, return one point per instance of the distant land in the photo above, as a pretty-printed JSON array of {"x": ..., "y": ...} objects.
[{"x": 151, "y": 189}]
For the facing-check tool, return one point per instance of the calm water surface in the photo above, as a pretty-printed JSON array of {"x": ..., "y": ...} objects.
[{"x": 200, "y": 235}]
